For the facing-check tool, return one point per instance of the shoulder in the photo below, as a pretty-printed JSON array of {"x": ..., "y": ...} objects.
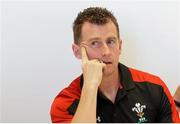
[
  {"x": 60, "y": 106},
  {"x": 141, "y": 76},
  {"x": 154, "y": 85},
  {"x": 149, "y": 81},
  {"x": 69, "y": 93}
]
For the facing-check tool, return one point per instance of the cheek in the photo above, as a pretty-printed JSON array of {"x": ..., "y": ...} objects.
[
  {"x": 92, "y": 54},
  {"x": 117, "y": 52}
]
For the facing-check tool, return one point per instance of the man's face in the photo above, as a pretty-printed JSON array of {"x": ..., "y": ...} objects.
[{"x": 102, "y": 43}]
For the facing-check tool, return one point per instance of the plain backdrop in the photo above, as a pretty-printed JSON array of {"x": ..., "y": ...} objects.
[{"x": 37, "y": 60}]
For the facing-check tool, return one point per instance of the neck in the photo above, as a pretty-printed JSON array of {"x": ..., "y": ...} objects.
[{"x": 109, "y": 85}]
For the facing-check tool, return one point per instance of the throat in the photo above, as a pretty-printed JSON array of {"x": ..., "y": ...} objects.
[
  {"x": 110, "y": 85},
  {"x": 110, "y": 91}
]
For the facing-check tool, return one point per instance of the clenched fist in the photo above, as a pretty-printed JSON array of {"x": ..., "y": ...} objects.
[{"x": 92, "y": 70}]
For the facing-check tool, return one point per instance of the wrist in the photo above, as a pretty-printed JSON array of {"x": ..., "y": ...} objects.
[{"x": 90, "y": 87}]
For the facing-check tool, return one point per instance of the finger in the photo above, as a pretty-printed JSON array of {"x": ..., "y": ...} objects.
[
  {"x": 95, "y": 60},
  {"x": 104, "y": 65},
  {"x": 84, "y": 56},
  {"x": 99, "y": 61},
  {"x": 83, "y": 44}
]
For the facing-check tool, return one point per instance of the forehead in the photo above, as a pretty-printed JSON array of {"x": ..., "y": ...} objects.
[{"x": 104, "y": 31}]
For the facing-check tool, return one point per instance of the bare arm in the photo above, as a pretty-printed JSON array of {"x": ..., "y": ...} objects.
[{"x": 92, "y": 73}]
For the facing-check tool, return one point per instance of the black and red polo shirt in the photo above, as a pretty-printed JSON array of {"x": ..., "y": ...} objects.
[{"x": 142, "y": 98}]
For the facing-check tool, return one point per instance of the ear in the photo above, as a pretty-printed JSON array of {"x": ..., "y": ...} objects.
[
  {"x": 120, "y": 46},
  {"x": 77, "y": 51}
]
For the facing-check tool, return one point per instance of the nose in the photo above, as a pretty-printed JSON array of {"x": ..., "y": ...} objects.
[{"x": 105, "y": 50}]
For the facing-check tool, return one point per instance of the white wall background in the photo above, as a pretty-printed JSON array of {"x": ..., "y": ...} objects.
[
  {"x": 0, "y": 62},
  {"x": 37, "y": 60}
]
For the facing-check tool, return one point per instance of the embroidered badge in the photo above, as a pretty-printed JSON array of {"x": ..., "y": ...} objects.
[
  {"x": 98, "y": 119},
  {"x": 139, "y": 110}
]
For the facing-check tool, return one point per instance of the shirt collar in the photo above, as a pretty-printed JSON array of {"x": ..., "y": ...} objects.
[{"x": 126, "y": 78}]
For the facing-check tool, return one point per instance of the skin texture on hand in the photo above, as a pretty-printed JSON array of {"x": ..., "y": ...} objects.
[{"x": 92, "y": 70}]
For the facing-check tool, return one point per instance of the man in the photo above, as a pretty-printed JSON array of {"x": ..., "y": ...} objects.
[
  {"x": 108, "y": 91},
  {"x": 177, "y": 99}
]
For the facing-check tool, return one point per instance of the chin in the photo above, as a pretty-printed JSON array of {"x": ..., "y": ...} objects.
[{"x": 109, "y": 70}]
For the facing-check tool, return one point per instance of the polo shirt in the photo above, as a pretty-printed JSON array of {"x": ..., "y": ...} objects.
[{"x": 142, "y": 98}]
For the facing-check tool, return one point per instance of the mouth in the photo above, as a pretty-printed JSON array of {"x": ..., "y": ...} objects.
[{"x": 106, "y": 62}]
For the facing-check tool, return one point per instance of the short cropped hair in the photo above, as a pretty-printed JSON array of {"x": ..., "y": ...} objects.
[{"x": 94, "y": 15}]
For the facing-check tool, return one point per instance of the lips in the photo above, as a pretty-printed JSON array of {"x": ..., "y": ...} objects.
[{"x": 106, "y": 62}]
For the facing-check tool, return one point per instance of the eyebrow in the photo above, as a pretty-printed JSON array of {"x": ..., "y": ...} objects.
[
  {"x": 114, "y": 38},
  {"x": 94, "y": 38},
  {"x": 97, "y": 38}
]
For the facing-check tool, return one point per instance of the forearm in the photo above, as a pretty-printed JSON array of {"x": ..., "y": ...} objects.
[
  {"x": 86, "y": 111},
  {"x": 92, "y": 74}
]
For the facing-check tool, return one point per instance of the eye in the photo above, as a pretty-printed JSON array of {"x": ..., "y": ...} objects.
[
  {"x": 111, "y": 42},
  {"x": 95, "y": 44}
]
